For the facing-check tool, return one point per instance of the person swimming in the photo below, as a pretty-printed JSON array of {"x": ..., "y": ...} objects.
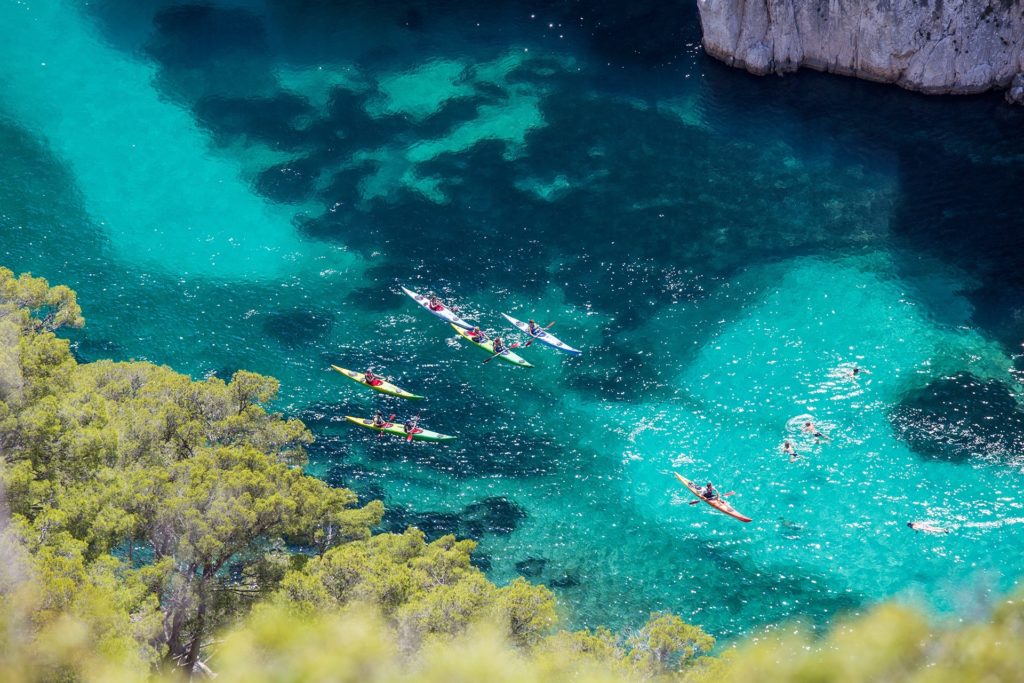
[
  {"x": 809, "y": 428},
  {"x": 927, "y": 527},
  {"x": 787, "y": 449}
]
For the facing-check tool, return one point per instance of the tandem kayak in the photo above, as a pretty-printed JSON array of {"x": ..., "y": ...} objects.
[
  {"x": 718, "y": 503},
  {"x": 488, "y": 346},
  {"x": 398, "y": 430},
  {"x": 444, "y": 314},
  {"x": 383, "y": 387},
  {"x": 544, "y": 337}
]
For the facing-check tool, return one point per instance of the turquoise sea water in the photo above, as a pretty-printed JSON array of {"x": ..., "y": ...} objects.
[{"x": 245, "y": 184}]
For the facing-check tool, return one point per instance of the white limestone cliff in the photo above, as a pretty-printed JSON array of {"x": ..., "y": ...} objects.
[{"x": 932, "y": 46}]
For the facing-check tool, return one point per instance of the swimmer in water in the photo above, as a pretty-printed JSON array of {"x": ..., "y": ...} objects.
[
  {"x": 857, "y": 372},
  {"x": 927, "y": 527},
  {"x": 787, "y": 449},
  {"x": 809, "y": 428}
]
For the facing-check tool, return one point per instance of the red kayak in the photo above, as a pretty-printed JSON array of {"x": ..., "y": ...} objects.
[{"x": 718, "y": 503}]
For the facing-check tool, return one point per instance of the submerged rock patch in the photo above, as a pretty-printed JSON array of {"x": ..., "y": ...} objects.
[{"x": 960, "y": 418}]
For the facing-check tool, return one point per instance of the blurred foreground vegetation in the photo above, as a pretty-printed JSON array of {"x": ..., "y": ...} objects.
[{"x": 153, "y": 527}]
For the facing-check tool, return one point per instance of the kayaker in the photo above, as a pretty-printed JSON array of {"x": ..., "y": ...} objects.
[
  {"x": 534, "y": 329},
  {"x": 809, "y": 428},
  {"x": 709, "y": 492},
  {"x": 378, "y": 420},
  {"x": 499, "y": 346},
  {"x": 787, "y": 449},
  {"x": 410, "y": 425},
  {"x": 478, "y": 335},
  {"x": 372, "y": 379},
  {"x": 435, "y": 303}
]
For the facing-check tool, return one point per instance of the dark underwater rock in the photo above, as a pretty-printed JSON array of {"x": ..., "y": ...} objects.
[
  {"x": 960, "y": 418},
  {"x": 566, "y": 580},
  {"x": 495, "y": 515},
  {"x": 481, "y": 561},
  {"x": 298, "y": 327},
  {"x": 531, "y": 567}
]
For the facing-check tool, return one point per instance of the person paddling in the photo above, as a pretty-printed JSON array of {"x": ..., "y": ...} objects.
[
  {"x": 410, "y": 425},
  {"x": 709, "y": 492},
  {"x": 435, "y": 304},
  {"x": 379, "y": 421},
  {"x": 534, "y": 329},
  {"x": 499, "y": 346},
  {"x": 477, "y": 335},
  {"x": 372, "y": 379}
]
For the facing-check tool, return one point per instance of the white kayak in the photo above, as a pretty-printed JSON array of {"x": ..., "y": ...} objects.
[
  {"x": 544, "y": 337},
  {"x": 444, "y": 314}
]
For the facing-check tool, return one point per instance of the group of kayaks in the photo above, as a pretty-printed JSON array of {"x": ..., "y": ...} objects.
[
  {"x": 464, "y": 329},
  {"x": 461, "y": 326}
]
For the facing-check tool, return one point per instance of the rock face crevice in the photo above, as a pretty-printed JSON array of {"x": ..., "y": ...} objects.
[{"x": 932, "y": 46}]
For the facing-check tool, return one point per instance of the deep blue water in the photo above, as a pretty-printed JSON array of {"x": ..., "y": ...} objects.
[{"x": 246, "y": 184}]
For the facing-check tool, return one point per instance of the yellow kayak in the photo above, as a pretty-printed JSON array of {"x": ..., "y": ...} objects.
[
  {"x": 488, "y": 346},
  {"x": 398, "y": 430},
  {"x": 383, "y": 387}
]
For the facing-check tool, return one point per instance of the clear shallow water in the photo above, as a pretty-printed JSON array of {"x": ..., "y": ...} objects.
[{"x": 245, "y": 185}]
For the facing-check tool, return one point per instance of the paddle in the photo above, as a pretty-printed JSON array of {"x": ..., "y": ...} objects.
[
  {"x": 514, "y": 345},
  {"x": 412, "y": 431},
  {"x": 724, "y": 495},
  {"x": 543, "y": 328}
]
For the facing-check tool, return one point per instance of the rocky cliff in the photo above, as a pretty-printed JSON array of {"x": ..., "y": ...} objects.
[{"x": 934, "y": 46}]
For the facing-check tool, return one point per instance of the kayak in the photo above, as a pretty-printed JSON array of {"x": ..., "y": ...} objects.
[
  {"x": 488, "y": 346},
  {"x": 444, "y": 314},
  {"x": 544, "y": 337},
  {"x": 718, "y": 503},
  {"x": 383, "y": 387},
  {"x": 398, "y": 430}
]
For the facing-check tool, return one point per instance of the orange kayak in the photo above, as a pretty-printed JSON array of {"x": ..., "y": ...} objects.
[{"x": 718, "y": 503}]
